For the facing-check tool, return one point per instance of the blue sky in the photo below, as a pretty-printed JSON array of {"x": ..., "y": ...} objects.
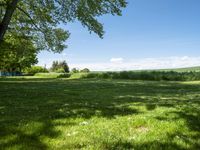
[{"x": 151, "y": 34}]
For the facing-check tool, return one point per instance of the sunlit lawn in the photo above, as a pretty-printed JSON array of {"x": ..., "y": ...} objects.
[{"x": 99, "y": 114}]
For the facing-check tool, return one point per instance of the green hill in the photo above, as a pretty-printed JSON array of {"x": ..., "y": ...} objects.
[{"x": 188, "y": 69}]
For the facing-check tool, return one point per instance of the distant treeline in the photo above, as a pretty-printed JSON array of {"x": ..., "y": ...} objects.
[{"x": 143, "y": 75}]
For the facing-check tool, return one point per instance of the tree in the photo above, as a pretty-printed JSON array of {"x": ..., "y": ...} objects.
[
  {"x": 54, "y": 66},
  {"x": 65, "y": 66},
  {"x": 60, "y": 67},
  {"x": 74, "y": 70},
  {"x": 39, "y": 19},
  {"x": 17, "y": 52}
]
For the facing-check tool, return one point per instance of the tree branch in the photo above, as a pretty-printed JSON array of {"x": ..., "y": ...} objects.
[
  {"x": 31, "y": 19},
  {"x": 7, "y": 17}
]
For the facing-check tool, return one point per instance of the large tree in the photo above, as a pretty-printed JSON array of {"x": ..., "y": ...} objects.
[{"x": 39, "y": 19}]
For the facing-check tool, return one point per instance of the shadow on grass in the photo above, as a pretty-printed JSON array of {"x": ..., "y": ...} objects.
[{"x": 43, "y": 101}]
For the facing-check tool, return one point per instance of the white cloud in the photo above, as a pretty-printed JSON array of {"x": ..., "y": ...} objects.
[
  {"x": 185, "y": 58},
  {"x": 116, "y": 60},
  {"x": 119, "y": 64},
  {"x": 145, "y": 63}
]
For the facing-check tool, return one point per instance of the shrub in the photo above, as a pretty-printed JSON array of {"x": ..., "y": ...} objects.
[
  {"x": 60, "y": 70},
  {"x": 64, "y": 75},
  {"x": 35, "y": 69},
  {"x": 74, "y": 70},
  {"x": 85, "y": 70},
  {"x": 79, "y": 75}
]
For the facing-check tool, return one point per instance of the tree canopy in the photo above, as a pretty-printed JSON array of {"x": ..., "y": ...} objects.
[
  {"x": 39, "y": 20},
  {"x": 17, "y": 53}
]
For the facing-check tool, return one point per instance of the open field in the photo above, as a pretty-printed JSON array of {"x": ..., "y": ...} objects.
[{"x": 99, "y": 114}]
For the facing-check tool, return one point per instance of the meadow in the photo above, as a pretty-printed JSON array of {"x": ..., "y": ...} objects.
[{"x": 56, "y": 113}]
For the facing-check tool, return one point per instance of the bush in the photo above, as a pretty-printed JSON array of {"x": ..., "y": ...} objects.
[
  {"x": 85, "y": 70},
  {"x": 64, "y": 75},
  {"x": 35, "y": 69},
  {"x": 79, "y": 75},
  {"x": 60, "y": 70},
  {"x": 74, "y": 70}
]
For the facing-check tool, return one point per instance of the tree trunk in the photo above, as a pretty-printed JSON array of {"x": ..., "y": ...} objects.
[{"x": 7, "y": 17}]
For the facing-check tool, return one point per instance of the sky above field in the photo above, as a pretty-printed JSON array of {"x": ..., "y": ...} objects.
[{"x": 151, "y": 34}]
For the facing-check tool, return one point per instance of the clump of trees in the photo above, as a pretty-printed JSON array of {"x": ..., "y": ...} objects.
[{"x": 60, "y": 67}]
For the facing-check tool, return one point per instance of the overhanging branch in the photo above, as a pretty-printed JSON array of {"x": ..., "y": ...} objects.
[
  {"x": 34, "y": 24},
  {"x": 31, "y": 19}
]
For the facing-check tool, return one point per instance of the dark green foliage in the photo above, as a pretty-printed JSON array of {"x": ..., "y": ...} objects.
[
  {"x": 17, "y": 53},
  {"x": 85, "y": 70},
  {"x": 146, "y": 75},
  {"x": 65, "y": 66},
  {"x": 64, "y": 75},
  {"x": 59, "y": 70},
  {"x": 74, "y": 70},
  {"x": 60, "y": 67},
  {"x": 35, "y": 69}
]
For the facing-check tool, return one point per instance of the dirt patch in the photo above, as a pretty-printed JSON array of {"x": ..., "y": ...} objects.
[{"x": 142, "y": 129}]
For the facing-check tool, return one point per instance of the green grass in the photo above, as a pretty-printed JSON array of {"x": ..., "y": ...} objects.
[
  {"x": 51, "y": 75},
  {"x": 188, "y": 69},
  {"x": 140, "y": 75},
  {"x": 99, "y": 114}
]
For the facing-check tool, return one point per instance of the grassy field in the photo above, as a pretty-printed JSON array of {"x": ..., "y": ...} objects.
[
  {"x": 196, "y": 69},
  {"x": 99, "y": 114}
]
